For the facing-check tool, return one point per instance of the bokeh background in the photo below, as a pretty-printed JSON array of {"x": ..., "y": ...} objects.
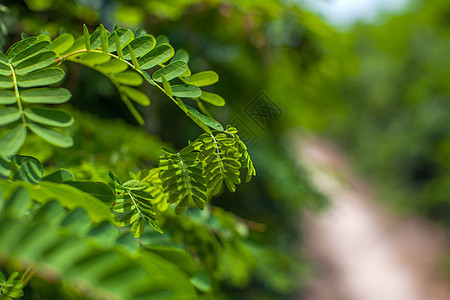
[{"x": 345, "y": 106}]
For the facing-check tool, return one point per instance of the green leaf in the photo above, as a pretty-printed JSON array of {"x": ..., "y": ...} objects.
[
  {"x": 66, "y": 195},
  {"x": 54, "y": 137},
  {"x": 41, "y": 77},
  {"x": 9, "y": 115},
  {"x": 5, "y": 70},
  {"x": 118, "y": 46},
  {"x": 7, "y": 97},
  {"x": 212, "y": 98},
  {"x": 20, "y": 46},
  {"x": 30, "y": 51},
  {"x": 129, "y": 78},
  {"x": 138, "y": 227},
  {"x": 36, "y": 62},
  {"x": 13, "y": 140},
  {"x": 59, "y": 176},
  {"x": 86, "y": 36},
  {"x": 162, "y": 39},
  {"x": 6, "y": 82},
  {"x": 124, "y": 35},
  {"x": 171, "y": 71},
  {"x": 113, "y": 66},
  {"x": 204, "y": 119},
  {"x": 128, "y": 218},
  {"x": 186, "y": 91},
  {"x": 167, "y": 86},
  {"x": 104, "y": 39},
  {"x": 203, "y": 78},
  {"x": 50, "y": 117},
  {"x": 99, "y": 190},
  {"x": 3, "y": 60},
  {"x": 140, "y": 46},
  {"x": 156, "y": 56},
  {"x": 46, "y": 95},
  {"x": 181, "y": 55},
  {"x": 136, "y": 95},
  {"x": 202, "y": 282},
  {"x": 30, "y": 172},
  {"x": 179, "y": 257},
  {"x": 18, "y": 204},
  {"x": 62, "y": 43},
  {"x": 94, "y": 58}
]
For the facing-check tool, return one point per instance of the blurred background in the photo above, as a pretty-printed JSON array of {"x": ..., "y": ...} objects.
[{"x": 345, "y": 107}]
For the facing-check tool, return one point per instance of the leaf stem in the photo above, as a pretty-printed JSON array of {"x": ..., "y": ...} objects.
[{"x": 16, "y": 92}]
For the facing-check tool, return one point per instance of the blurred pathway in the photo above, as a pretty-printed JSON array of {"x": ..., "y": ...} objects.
[{"x": 360, "y": 252}]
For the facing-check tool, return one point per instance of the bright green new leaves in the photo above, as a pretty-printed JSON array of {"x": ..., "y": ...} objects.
[
  {"x": 42, "y": 77},
  {"x": 212, "y": 98},
  {"x": 203, "y": 78},
  {"x": 154, "y": 183},
  {"x": 134, "y": 205},
  {"x": 11, "y": 288},
  {"x": 129, "y": 78},
  {"x": 182, "y": 178},
  {"x": 136, "y": 95},
  {"x": 222, "y": 161},
  {"x": 245, "y": 157}
]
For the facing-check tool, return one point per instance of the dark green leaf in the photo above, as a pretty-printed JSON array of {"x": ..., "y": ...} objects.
[
  {"x": 46, "y": 95},
  {"x": 20, "y": 46},
  {"x": 6, "y": 82},
  {"x": 36, "y": 62},
  {"x": 7, "y": 97},
  {"x": 9, "y": 115},
  {"x": 171, "y": 71},
  {"x": 140, "y": 46},
  {"x": 30, "y": 51},
  {"x": 186, "y": 90},
  {"x": 50, "y": 117},
  {"x": 59, "y": 176},
  {"x": 99, "y": 190},
  {"x": 54, "y": 137},
  {"x": 204, "y": 119},
  {"x": 156, "y": 56},
  {"x": 41, "y": 77},
  {"x": 13, "y": 140},
  {"x": 30, "y": 172},
  {"x": 162, "y": 39}
]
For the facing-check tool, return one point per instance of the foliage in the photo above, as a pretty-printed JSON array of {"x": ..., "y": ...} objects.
[{"x": 55, "y": 224}]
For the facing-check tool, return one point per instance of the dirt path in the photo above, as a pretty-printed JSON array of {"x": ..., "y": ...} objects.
[{"x": 360, "y": 252}]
